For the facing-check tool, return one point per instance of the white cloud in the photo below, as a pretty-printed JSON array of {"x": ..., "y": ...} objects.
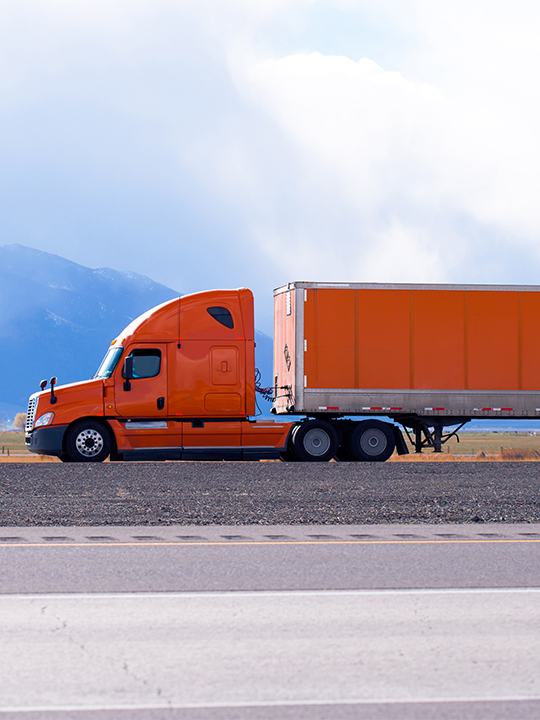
[
  {"x": 172, "y": 138},
  {"x": 360, "y": 121},
  {"x": 454, "y": 160}
]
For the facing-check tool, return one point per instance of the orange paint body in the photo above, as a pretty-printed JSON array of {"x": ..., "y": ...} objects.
[
  {"x": 199, "y": 392},
  {"x": 422, "y": 339}
]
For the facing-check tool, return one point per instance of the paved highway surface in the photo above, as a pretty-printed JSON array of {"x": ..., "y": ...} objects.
[
  {"x": 268, "y": 558},
  {"x": 267, "y": 493},
  {"x": 336, "y": 621},
  {"x": 263, "y": 590}
]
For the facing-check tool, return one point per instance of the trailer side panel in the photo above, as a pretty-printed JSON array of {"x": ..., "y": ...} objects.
[{"x": 441, "y": 350}]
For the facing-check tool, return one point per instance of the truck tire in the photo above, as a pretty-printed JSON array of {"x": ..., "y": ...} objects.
[
  {"x": 315, "y": 441},
  {"x": 88, "y": 441},
  {"x": 371, "y": 441}
]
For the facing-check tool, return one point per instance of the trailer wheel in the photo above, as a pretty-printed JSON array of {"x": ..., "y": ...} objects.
[
  {"x": 88, "y": 441},
  {"x": 371, "y": 441},
  {"x": 315, "y": 441}
]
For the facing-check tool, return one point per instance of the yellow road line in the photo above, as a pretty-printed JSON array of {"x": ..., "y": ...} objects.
[{"x": 222, "y": 543}]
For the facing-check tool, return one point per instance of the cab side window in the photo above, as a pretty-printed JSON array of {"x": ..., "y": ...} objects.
[{"x": 146, "y": 363}]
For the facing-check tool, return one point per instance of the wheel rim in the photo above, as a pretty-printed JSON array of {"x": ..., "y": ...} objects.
[
  {"x": 89, "y": 443},
  {"x": 316, "y": 442},
  {"x": 373, "y": 441}
]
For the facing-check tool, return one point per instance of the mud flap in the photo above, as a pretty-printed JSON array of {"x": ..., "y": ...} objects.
[{"x": 401, "y": 445}]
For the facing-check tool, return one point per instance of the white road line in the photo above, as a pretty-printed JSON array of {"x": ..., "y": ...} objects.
[
  {"x": 271, "y": 593},
  {"x": 270, "y": 704}
]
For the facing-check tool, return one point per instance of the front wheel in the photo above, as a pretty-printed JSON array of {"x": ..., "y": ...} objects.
[
  {"x": 315, "y": 441},
  {"x": 88, "y": 441}
]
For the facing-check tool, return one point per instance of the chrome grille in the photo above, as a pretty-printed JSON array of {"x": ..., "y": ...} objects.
[{"x": 31, "y": 412}]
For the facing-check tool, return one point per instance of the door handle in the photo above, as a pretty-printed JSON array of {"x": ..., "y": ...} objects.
[{"x": 160, "y": 403}]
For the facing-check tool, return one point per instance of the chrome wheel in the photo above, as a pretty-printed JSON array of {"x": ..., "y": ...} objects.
[{"x": 89, "y": 443}]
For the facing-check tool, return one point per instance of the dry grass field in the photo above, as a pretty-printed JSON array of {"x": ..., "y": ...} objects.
[
  {"x": 13, "y": 449},
  {"x": 12, "y": 443},
  {"x": 473, "y": 446},
  {"x": 494, "y": 447}
]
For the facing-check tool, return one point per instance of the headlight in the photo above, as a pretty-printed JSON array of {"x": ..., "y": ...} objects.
[{"x": 44, "y": 420}]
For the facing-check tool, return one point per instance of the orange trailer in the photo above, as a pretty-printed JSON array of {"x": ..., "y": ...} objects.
[{"x": 427, "y": 356}]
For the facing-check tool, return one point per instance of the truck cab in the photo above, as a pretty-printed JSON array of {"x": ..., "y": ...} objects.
[{"x": 177, "y": 383}]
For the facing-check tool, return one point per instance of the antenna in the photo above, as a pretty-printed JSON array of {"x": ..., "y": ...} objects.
[{"x": 179, "y": 344}]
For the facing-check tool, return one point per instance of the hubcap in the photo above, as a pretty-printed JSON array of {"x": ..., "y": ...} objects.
[
  {"x": 316, "y": 442},
  {"x": 89, "y": 443},
  {"x": 373, "y": 441}
]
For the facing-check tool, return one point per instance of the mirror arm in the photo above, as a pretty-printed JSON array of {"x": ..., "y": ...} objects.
[{"x": 53, "y": 382}]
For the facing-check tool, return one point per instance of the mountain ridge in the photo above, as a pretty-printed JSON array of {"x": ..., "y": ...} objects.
[{"x": 58, "y": 317}]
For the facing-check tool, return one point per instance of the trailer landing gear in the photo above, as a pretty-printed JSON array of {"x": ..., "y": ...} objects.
[{"x": 435, "y": 438}]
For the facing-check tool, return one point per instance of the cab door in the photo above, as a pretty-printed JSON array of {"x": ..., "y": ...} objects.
[{"x": 145, "y": 395}]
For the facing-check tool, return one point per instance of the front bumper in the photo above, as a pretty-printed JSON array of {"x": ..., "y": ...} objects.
[{"x": 46, "y": 440}]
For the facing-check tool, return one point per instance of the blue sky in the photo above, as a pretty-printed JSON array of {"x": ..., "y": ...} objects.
[{"x": 225, "y": 143}]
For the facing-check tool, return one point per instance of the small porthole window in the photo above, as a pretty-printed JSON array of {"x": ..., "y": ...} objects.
[{"x": 222, "y": 315}]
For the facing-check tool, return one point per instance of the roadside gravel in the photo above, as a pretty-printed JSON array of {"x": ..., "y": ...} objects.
[{"x": 218, "y": 493}]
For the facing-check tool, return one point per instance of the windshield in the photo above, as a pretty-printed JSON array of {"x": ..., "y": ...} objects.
[{"x": 109, "y": 362}]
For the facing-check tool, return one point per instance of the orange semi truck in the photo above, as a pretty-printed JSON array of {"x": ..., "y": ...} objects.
[{"x": 179, "y": 381}]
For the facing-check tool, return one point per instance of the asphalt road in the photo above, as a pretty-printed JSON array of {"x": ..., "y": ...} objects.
[
  {"x": 356, "y": 654},
  {"x": 233, "y": 493},
  {"x": 408, "y": 622},
  {"x": 198, "y": 591},
  {"x": 268, "y": 558}
]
